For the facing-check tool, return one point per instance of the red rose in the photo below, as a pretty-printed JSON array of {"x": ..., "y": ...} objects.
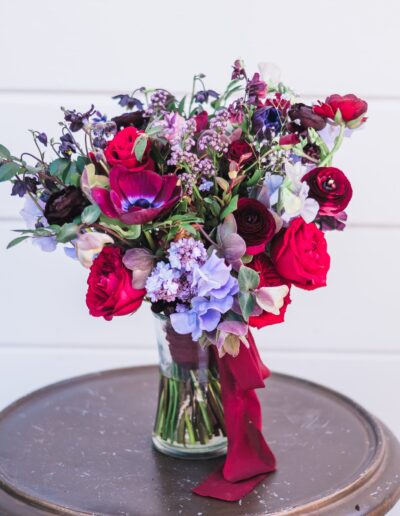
[
  {"x": 255, "y": 224},
  {"x": 351, "y": 108},
  {"x": 300, "y": 255},
  {"x": 120, "y": 151},
  {"x": 240, "y": 151},
  {"x": 268, "y": 278},
  {"x": 201, "y": 121},
  {"x": 331, "y": 188},
  {"x": 110, "y": 289}
]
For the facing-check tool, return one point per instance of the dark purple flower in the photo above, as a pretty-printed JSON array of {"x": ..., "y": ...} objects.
[
  {"x": 137, "y": 198},
  {"x": 125, "y": 100},
  {"x": 303, "y": 117},
  {"x": 77, "y": 120},
  {"x": 135, "y": 118},
  {"x": 22, "y": 186},
  {"x": 42, "y": 137},
  {"x": 256, "y": 89},
  {"x": 238, "y": 70},
  {"x": 333, "y": 223},
  {"x": 63, "y": 206},
  {"x": 67, "y": 146},
  {"x": 266, "y": 122},
  {"x": 203, "y": 95}
]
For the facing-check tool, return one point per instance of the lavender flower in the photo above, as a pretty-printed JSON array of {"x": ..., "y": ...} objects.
[
  {"x": 186, "y": 254},
  {"x": 214, "y": 279},
  {"x": 163, "y": 283},
  {"x": 34, "y": 218}
]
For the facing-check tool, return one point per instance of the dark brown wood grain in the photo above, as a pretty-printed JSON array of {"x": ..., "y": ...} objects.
[{"x": 84, "y": 447}]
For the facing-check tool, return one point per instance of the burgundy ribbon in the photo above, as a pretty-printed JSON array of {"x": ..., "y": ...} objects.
[{"x": 249, "y": 458}]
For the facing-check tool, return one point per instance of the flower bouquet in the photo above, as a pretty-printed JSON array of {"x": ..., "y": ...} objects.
[{"x": 211, "y": 208}]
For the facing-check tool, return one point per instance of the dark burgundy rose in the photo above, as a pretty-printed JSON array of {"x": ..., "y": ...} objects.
[
  {"x": 65, "y": 205},
  {"x": 238, "y": 149},
  {"x": 303, "y": 117},
  {"x": 135, "y": 118},
  {"x": 330, "y": 188},
  {"x": 312, "y": 150},
  {"x": 255, "y": 224}
]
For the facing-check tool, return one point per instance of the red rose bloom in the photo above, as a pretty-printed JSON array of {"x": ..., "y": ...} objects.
[
  {"x": 255, "y": 224},
  {"x": 350, "y": 107},
  {"x": 331, "y": 188},
  {"x": 110, "y": 289},
  {"x": 119, "y": 151},
  {"x": 268, "y": 278},
  {"x": 300, "y": 255},
  {"x": 240, "y": 151}
]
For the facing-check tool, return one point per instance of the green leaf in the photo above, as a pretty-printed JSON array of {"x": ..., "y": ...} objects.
[
  {"x": 90, "y": 214},
  {"x": 17, "y": 240},
  {"x": 246, "y": 302},
  {"x": 254, "y": 178},
  {"x": 140, "y": 146},
  {"x": 58, "y": 167},
  {"x": 248, "y": 278},
  {"x": 4, "y": 152},
  {"x": 231, "y": 207},
  {"x": 181, "y": 106},
  {"x": 67, "y": 232},
  {"x": 129, "y": 232},
  {"x": 81, "y": 163},
  {"x": 71, "y": 175},
  {"x": 8, "y": 171},
  {"x": 190, "y": 229}
]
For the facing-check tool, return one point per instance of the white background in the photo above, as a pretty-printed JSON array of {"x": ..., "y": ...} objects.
[{"x": 78, "y": 52}]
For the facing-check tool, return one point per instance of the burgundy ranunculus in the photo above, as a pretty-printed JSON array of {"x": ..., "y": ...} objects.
[
  {"x": 350, "y": 106},
  {"x": 330, "y": 188},
  {"x": 201, "y": 121},
  {"x": 110, "y": 289},
  {"x": 300, "y": 255},
  {"x": 268, "y": 278},
  {"x": 240, "y": 151},
  {"x": 255, "y": 224},
  {"x": 120, "y": 151},
  {"x": 137, "y": 198}
]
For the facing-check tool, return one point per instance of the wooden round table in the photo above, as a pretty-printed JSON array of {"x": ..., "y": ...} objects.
[{"x": 83, "y": 446}]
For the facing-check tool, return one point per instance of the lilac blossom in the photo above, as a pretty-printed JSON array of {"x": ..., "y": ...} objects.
[
  {"x": 186, "y": 254},
  {"x": 163, "y": 283}
]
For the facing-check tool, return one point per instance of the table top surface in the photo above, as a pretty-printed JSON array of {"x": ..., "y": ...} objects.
[{"x": 83, "y": 446}]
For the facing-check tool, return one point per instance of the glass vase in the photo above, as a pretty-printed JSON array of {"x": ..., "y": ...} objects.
[{"x": 189, "y": 421}]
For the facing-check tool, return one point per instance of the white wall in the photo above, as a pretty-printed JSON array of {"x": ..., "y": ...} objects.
[{"x": 345, "y": 336}]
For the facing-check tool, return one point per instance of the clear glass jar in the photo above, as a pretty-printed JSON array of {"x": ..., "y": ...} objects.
[{"x": 190, "y": 418}]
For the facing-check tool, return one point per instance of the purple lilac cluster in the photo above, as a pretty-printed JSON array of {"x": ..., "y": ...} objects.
[
  {"x": 215, "y": 139},
  {"x": 174, "y": 280}
]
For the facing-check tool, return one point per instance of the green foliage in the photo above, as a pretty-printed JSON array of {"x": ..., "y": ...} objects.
[
  {"x": 4, "y": 152},
  {"x": 128, "y": 232},
  {"x": 68, "y": 171},
  {"x": 248, "y": 278},
  {"x": 140, "y": 146},
  {"x": 246, "y": 302},
  {"x": 90, "y": 214},
  {"x": 232, "y": 206},
  {"x": 67, "y": 233},
  {"x": 9, "y": 170},
  {"x": 17, "y": 241}
]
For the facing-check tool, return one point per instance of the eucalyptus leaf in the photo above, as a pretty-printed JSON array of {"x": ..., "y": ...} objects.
[
  {"x": 90, "y": 214},
  {"x": 4, "y": 152},
  {"x": 246, "y": 302},
  {"x": 67, "y": 232},
  {"x": 71, "y": 175},
  {"x": 8, "y": 171},
  {"x": 58, "y": 167},
  {"x": 140, "y": 146},
  {"x": 248, "y": 279}
]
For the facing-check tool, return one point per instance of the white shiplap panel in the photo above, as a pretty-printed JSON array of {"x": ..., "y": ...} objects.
[
  {"x": 98, "y": 44},
  {"x": 367, "y": 157},
  {"x": 371, "y": 380},
  {"x": 42, "y": 301}
]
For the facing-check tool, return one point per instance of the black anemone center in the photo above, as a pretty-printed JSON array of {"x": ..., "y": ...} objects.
[{"x": 142, "y": 203}]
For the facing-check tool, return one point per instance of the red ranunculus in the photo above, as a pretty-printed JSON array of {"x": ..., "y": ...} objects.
[
  {"x": 351, "y": 108},
  {"x": 240, "y": 151},
  {"x": 331, "y": 188},
  {"x": 268, "y": 278},
  {"x": 255, "y": 224},
  {"x": 300, "y": 255},
  {"x": 120, "y": 151},
  {"x": 110, "y": 289}
]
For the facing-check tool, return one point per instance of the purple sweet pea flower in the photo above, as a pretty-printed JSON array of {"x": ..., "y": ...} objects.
[
  {"x": 266, "y": 122},
  {"x": 214, "y": 278}
]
